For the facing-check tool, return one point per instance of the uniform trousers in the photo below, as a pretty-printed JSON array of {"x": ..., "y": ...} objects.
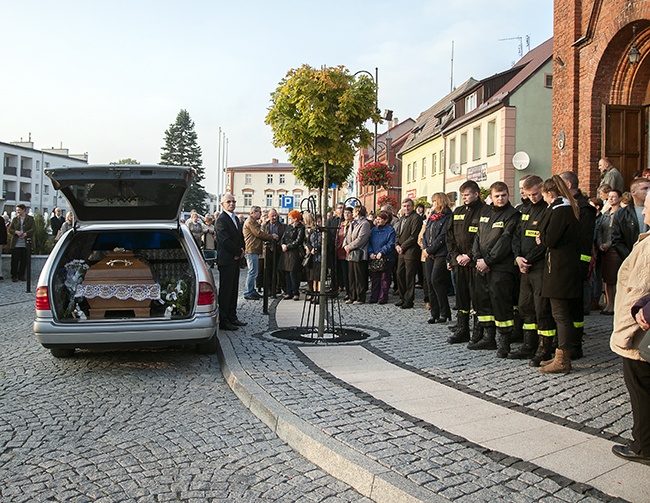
[
  {"x": 465, "y": 290},
  {"x": 637, "y": 380},
  {"x": 562, "y": 313},
  {"x": 494, "y": 294},
  {"x": 406, "y": 269},
  {"x": 535, "y": 310}
]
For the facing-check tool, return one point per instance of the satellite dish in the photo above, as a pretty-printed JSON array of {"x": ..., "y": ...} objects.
[
  {"x": 455, "y": 168},
  {"x": 520, "y": 160}
]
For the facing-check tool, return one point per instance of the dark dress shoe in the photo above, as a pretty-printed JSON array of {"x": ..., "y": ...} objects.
[
  {"x": 252, "y": 297},
  {"x": 431, "y": 321},
  {"x": 625, "y": 452},
  {"x": 406, "y": 306},
  {"x": 399, "y": 303},
  {"x": 238, "y": 323},
  {"x": 224, "y": 325},
  {"x": 607, "y": 313}
]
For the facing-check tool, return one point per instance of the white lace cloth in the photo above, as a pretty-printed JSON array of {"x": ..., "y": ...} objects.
[{"x": 120, "y": 292}]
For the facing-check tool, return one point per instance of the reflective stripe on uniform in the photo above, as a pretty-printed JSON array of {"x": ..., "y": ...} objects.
[
  {"x": 585, "y": 258},
  {"x": 504, "y": 324},
  {"x": 546, "y": 333},
  {"x": 578, "y": 324},
  {"x": 530, "y": 326},
  {"x": 485, "y": 319}
]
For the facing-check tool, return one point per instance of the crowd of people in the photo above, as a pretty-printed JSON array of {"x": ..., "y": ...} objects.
[{"x": 528, "y": 273}]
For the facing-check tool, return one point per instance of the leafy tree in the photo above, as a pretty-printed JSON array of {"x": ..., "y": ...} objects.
[
  {"x": 128, "y": 160},
  {"x": 319, "y": 116},
  {"x": 181, "y": 149}
]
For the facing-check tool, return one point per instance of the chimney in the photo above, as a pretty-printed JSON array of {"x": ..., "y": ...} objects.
[
  {"x": 395, "y": 121},
  {"x": 274, "y": 161}
]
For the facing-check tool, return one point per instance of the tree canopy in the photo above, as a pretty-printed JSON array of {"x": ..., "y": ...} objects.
[
  {"x": 319, "y": 116},
  {"x": 127, "y": 160},
  {"x": 181, "y": 149}
]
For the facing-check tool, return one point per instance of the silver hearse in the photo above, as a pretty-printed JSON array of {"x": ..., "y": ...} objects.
[{"x": 128, "y": 273}]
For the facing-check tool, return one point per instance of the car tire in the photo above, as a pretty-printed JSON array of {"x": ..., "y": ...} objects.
[
  {"x": 208, "y": 347},
  {"x": 62, "y": 352}
]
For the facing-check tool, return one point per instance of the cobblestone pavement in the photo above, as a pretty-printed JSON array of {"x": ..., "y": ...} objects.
[
  {"x": 134, "y": 426},
  {"x": 592, "y": 398}
]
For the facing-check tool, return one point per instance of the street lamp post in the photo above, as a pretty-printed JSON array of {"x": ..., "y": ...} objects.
[{"x": 375, "y": 78}]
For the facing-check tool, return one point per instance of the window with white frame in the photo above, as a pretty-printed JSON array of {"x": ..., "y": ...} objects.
[
  {"x": 408, "y": 172},
  {"x": 248, "y": 179},
  {"x": 434, "y": 163},
  {"x": 441, "y": 161},
  {"x": 248, "y": 199},
  {"x": 452, "y": 151},
  {"x": 491, "y": 137},
  {"x": 269, "y": 199},
  {"x": 282, "y": 178},
  {"x": 476, "y": 143},
  {"x": 415, "y": 170},
  {"x": 269, "y": 178},
  {"x": 470, "y": 102},
  {"x": 424, "y": 167},
  {"x": 463, "y": 148},
  {"x": 46, "y": 189}
]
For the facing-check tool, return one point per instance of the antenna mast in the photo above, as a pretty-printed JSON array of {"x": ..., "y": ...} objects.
[{"x": 452, "y": 67}]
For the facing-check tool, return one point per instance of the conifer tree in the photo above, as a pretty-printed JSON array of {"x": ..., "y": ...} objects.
[{"x": 181, "y": 149}]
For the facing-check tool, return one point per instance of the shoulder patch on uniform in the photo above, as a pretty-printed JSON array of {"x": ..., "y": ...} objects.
[
  {"x": 525, "y": 216},
  {"x": 459, "y": 217},
  {"x": 497, "y": 224},
  {"x": 484, "y": 220}
]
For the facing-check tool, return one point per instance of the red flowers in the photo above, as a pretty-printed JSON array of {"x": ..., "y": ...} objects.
[{"x": 374, "y": 173}]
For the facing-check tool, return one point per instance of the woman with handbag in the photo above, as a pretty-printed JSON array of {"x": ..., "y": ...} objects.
[
  {"x": 292, "y": 242},
  {"x": 356, "y": 246},
  {"x": 381, "y": 250},
  {"x": 434, "y": 248}
]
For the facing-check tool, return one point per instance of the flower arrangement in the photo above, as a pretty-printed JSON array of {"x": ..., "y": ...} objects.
[
  {"x": 374, "y": 173},
  {"x": 74, "y": 273},
  {"x": 175, "y": 297},
  {"x": 386, "y": 199}
]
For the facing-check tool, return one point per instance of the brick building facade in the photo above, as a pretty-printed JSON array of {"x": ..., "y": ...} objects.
[{"x": 600, "y": 97}]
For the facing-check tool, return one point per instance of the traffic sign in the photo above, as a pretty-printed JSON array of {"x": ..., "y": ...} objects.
[{"x": 287, "y": 201}]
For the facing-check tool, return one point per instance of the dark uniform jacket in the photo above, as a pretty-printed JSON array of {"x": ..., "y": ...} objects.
[
  {"x": 625, "y": 230},
  {"x": 462, "y": 230},
  {"x": 407, "y": 232},
  {"x": 524, "y": 242},
  {"x": 493, "y": 241},
  {"x": 434, "y": 239},
  {"x": 585, "y": 233},
  {"x": 559, "y": 233},
  {"x": 294, "y": 238}
]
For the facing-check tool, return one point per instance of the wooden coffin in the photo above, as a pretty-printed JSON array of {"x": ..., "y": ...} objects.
[{"x": 120, "y": 282}]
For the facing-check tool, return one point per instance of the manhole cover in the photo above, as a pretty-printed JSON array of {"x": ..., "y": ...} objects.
[{"x": 308, "y": 335}]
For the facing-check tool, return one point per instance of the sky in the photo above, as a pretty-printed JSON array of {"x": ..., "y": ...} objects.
[{"x": 109, "y": 78}]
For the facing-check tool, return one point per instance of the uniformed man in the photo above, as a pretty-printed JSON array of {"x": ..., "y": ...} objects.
[
  {"x": 460, "y": 238},
  {"x": 495, "y": 271},
  {"x": 535, "y": 310}
]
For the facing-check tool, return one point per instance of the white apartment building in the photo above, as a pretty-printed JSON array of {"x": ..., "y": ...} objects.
[
  {"x": 23, "y": 180},
  {"x": 264, "y": 185}
]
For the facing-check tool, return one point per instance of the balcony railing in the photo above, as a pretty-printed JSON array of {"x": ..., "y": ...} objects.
[
  {"x": 9, "y": 195},
  {"x": 10, "y": 170},
  {"x": 25, "y": 196},
  {"x": 25, "y": 172}
]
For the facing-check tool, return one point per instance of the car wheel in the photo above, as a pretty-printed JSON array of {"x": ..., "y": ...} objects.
[
  {"x": 208, "y": 347},
  {"x": 62, "y": 352}
]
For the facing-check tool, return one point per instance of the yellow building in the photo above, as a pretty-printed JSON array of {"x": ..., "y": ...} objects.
[{"x": 423, "y": 160}]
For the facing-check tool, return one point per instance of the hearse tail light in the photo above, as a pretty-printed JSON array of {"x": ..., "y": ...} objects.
[
  {"x": 42, "y": 299},
  {"x": 206, "y": 294}
]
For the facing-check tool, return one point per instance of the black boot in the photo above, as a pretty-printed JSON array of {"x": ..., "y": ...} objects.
[
  {"x": 454, "y": 326},
  {"x": 503, "y": 341},
  {"x": 576, "y": 343},
  {"x": 462, "y": 333},
  {"x": 489, "y": 338},
  {"x": 477, "y": 333},
  {"x": 527, "y": 349},
  {"x": 544, "y": 351}
]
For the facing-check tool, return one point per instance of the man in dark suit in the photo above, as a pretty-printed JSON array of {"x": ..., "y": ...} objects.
[
  {"x": 409, "y": 251},
  {"x": 56, "y": 221},
  {"x": 230, "y": 249}
]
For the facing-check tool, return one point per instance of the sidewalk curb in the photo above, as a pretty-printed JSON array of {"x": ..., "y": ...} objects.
[{"x": 367, "y": 477}]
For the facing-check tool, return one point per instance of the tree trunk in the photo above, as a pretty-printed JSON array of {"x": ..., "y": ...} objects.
[{"x": 322, "y": 298}]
